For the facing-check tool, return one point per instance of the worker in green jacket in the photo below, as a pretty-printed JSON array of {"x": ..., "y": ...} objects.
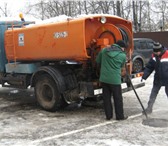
[{"x": 111, "y": 60}]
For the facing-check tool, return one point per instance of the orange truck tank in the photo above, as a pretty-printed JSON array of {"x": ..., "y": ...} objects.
[
  {"x": 69, "y": 39},
  {"x": 58, "y": 59}
]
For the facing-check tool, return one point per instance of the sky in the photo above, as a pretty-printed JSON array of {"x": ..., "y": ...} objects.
[{"x": 14, "y": 5}]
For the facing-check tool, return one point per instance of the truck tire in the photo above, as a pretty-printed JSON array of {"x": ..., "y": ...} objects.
[
  {"x": 137, "y": 66},
  {"x": 47, "y": 94}
]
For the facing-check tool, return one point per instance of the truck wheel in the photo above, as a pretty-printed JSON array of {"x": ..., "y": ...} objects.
[
  {"x": 47, "y": 94},
  {"x": 137, "y": 66}
]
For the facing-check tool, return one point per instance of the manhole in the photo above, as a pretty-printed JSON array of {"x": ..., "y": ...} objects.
[{"x": 154, "y": 122}]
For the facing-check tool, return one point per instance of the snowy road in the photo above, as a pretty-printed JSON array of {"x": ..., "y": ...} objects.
[{"x": 22, "y": 122}]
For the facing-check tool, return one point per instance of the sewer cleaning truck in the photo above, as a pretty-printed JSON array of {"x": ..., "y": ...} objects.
[{"x": 57, "y": 58}]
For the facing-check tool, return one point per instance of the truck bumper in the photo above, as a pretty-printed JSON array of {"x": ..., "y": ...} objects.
[
  {"x": 135, "y": 87},
  {"x": 124, "y": 89}
]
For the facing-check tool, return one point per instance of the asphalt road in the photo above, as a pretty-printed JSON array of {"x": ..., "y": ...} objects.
[{"x": 22, "y": 122}]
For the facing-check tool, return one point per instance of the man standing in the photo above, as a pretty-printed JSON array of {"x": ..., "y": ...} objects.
[
  {"x": 158, "y": 63},
  {"x": 111, "y": 61}
]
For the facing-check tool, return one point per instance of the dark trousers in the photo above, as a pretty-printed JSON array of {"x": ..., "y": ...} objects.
[
  {"x": 154, "y": 93},
  {"x": 115, "y": 91}
]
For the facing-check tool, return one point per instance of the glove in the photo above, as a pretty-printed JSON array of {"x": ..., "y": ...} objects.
[{"x": 141, "y": 79}]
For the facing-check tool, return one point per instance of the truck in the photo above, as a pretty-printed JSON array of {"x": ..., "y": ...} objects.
[{"x": 57, "y": 59}]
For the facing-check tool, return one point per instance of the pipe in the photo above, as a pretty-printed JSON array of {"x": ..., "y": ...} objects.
[{"x": 136, "y": 93}]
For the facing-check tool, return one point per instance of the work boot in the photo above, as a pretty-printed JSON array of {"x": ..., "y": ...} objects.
[
  {"x": 108, "y": 119},
  {"x": 124, "y": 118}
]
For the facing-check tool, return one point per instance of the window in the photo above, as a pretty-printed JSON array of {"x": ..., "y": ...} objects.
[
  {"x": 150, "y": 45},
  {"x": 143, "y": 45},
  {"x": 136, "y": 45}
]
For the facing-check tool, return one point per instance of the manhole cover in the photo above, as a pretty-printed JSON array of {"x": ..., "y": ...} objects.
[{"x": 153, "y": 122}]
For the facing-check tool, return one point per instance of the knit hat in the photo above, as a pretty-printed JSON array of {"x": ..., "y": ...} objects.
[
  {"x": 121, "y": 43},
  {"x": 157, "y": 47}
]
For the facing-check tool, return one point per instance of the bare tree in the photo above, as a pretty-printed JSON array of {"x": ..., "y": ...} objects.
[
  {"x": 138, "y": 11},
  {"x": 52, "y": 8},
  {"x": 135, "y": 15},
  {"x": 4, "y": 10},
  {"x": 126, "y": 9},
  {"x": 145, "y": 17},
  {"x": 105, "y": 6},
  {"x": 141, "y": 15},
  {"x": 118, "y": 8},
  {"x": 160, "y": 9}
]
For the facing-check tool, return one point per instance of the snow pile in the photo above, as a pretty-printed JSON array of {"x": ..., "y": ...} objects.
[{"x": 54, "y": 19}]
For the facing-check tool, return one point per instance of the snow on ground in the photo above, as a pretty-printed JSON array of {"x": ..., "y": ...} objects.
[{"x": 22, "y": 122}]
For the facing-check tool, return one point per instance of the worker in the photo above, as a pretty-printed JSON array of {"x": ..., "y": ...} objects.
[
  {"x": 111, "y": 60},
  {"x": 158, "y": 63}
]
